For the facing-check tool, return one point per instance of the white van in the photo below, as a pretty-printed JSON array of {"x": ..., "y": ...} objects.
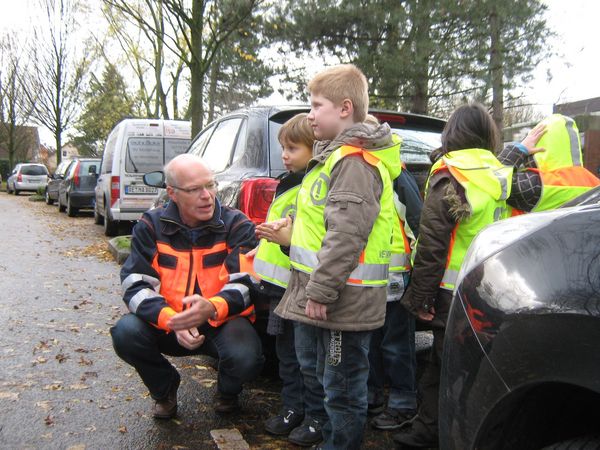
[{"x": 134, "y": 147}]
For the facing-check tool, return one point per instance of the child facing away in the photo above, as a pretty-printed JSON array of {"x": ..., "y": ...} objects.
[
  {"x": 301, "y": 409},
  {"x": 392, "y": 358},
  {"x": 466, "y": 190},
  {"x": 340, "y": 248}
]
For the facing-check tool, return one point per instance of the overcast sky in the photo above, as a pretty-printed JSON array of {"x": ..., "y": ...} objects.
[{"x": 575, "y": 70}]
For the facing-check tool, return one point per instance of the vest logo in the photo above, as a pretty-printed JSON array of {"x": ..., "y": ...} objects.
[
  {"x": 318, "y": 190},
  {"x": 385, "y": 254},
  {"x": 290, "y": 210}
]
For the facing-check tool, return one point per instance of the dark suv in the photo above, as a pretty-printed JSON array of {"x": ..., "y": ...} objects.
[
  {"x": 521, "y": 364},
  {"x": 243, "y": 150},
  {"x": 76, "y": 190}
]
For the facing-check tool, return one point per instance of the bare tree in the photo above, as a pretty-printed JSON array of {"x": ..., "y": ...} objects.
[
  {"x": 54, "y": 87},
  {"x": 15, "y": 110}
]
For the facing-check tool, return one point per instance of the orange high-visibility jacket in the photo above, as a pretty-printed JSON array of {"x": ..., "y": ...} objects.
[{"x": 169, "y": 261}]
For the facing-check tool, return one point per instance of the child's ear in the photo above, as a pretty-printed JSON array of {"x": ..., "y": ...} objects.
[{"x": 347, "y": 108}]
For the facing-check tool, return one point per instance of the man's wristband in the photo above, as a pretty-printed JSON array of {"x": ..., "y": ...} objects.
[{"x": 521, "y": 147}]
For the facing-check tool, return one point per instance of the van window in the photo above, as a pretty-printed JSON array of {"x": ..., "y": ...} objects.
[
  {"x": 198, "y": 144},
  {"x": 218, "y": 151},
  {"x": 109, "y": 151},
  {"x": 147, "y": 154}
]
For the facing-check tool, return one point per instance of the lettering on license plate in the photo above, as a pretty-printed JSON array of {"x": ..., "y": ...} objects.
[{"x": 140, "y": 190}]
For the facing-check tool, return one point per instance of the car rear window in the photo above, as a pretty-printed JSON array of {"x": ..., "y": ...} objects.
[
  {"x": 85, "y": 167},
  {"x": 146, "y": 154},
  {"x": 34, "y": 170}
]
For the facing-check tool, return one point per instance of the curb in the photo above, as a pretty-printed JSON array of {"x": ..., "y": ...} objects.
[{"x": 119, "y": 254}]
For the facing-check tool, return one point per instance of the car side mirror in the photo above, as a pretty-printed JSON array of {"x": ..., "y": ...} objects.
[{"x": 155, "y": 179}]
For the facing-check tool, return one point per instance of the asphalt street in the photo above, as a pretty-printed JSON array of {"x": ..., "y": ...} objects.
[{"x": 61, "y": 385}]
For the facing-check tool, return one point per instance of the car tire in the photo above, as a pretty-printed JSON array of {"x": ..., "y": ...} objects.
[
  {"x": 111, "y": 227},
  {"x": 98, "y": 219},
  {"x": 587, "y": 442},
  {"x": 61, "y": 207},
  {"x": 49, "y": 201},
  {"x": 16, "y": 192},
  {"x": 71, "y": 210}
]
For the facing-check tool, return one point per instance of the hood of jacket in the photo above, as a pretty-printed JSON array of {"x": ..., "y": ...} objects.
[{"x": 376, "y": 139}]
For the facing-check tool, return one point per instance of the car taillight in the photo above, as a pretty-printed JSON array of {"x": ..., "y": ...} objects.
[
  {"x": 76, "y": 176},
  {"x": 115, "y": 189},
  {"x": 19, "y": 178},
  {"x": 256, "y": 196}
]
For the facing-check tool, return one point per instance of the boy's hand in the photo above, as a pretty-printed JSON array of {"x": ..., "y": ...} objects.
[
  {"x": 278, "y": 231},
  {"x": 252, "y": 253},
  {"x": 314, "y": 310},
  {"x": 532, "y": 139}
]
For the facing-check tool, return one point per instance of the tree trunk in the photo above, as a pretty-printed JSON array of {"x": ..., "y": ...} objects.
[
  {"x": 212, "y": 89},
  {"x": 422, "y": 22},
  {"x": 196, "y": 69},
  {"x": 496, "y": 70}
]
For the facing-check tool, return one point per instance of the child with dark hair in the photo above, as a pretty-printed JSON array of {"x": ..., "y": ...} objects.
[{"x": 467, "y": 189}]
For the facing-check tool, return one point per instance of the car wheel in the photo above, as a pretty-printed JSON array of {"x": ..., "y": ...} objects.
[
  {"x": 587, "y": 442},
  {"x": 16, "y": 192},
  {"x": 61, "y": 208},
  {"x": 71, "y": 211},
  {"x": 98, "y": 219},
  {"x": 49, "y": 201},
  {"x": 111, "y": 227}
]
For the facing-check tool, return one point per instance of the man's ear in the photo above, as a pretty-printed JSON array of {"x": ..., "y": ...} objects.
[
  {"x": 171, "y": 193},
  {"x": 347, "y": 108}
]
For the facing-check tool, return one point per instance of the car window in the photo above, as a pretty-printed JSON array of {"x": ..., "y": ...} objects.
[
  {"x": 86, "y": 165},
  {"x": 147, "y": 154},
  {"x": 240, "y": 146},
  {"x": 174, "y": 147},
  {"x": 109, "y": 151},
  {"x": 220, "y": 146},
  {"x": 71, "y": 170},
  {"x": 62, "y": 167},
  {"x": 275, "y": 147},
  {"x": 417, "y": 144},
  {"x": 198, "y": 144},
  {"x": 34, "y": 170}
]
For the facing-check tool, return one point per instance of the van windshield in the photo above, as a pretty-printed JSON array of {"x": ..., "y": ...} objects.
[{"x": 147, "y": 154}]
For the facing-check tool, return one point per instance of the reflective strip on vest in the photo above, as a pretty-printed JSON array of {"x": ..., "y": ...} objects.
[
  {"x": 308, "y": 261},
  {"x": 399, "y": 262},
  {"x": 574, "y": 141},
  {"x": 449, "y": 279},
  {"x": 272, "y": 273}
]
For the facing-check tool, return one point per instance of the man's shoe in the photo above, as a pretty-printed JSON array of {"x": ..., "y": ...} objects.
[
  {"x": 411, "y": 437},
  {"x": 283, "y": 423},
  {"x": 393, "y": 419},
  {"x": 307, "y": 433},
  {"x": 225, "y": 404},
  {"x": 167, "y": 408}
]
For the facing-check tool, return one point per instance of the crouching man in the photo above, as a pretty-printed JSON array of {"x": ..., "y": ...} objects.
[{"x": 186, "y": 292}]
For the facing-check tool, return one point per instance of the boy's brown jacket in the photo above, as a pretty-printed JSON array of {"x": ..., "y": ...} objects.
[{"x": 353, "y": 204}]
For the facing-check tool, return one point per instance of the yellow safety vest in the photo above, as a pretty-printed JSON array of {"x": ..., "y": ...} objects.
[
  {"x": 561, "y": 165},
  {"x": 487, "y": 185},
  {"x": 309, "y": 225},
  {"x": 270, "y": 263}
]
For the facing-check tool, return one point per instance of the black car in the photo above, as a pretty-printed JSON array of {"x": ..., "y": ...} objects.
[
  {"x": 243, "y": 150},
  {"x": 76, "y": 190},
  {"x": 51, "y": 191},
  {"x": 521, "y": 364}
]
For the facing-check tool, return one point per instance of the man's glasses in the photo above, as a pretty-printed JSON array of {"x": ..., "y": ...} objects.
[{"x": 211, "y": 186}]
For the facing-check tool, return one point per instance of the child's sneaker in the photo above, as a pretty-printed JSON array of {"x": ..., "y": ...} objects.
[
  {"x": 392, "y": 419},
  {"x": 283, "y": 423},
  {"x": 307, "y": 434}
]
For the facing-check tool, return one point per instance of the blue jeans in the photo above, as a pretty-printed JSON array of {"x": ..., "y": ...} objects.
[
  {"x": 292, "y": 391},
  {"x": 305, "y": 340},
  {"x": 342, "y": 367},
  {"x": 392, "y": 359},
  {"x": 235, "y": 344}
]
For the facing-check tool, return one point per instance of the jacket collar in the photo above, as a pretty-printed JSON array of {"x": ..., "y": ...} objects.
[{"x": 171, "y": 222}]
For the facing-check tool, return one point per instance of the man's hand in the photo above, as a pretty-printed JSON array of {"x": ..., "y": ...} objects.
[
  {"x": 278, "y": 231},
  {"x": 189, "y": 339},
  {"x": 315, "y": 310},
  {"x": 426, "y": 316},
  {"x": 198, "y": 312}
]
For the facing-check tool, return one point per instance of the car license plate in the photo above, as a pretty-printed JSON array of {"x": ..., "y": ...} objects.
[{"x": 140, "y": 189}]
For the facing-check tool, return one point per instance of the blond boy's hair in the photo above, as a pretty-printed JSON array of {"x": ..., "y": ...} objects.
[
  {"x": 342, "y": 82},
  {"x": 297, "y": 130}
]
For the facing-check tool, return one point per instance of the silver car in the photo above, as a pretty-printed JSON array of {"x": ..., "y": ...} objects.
[{"x": 27, "y": 177}]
